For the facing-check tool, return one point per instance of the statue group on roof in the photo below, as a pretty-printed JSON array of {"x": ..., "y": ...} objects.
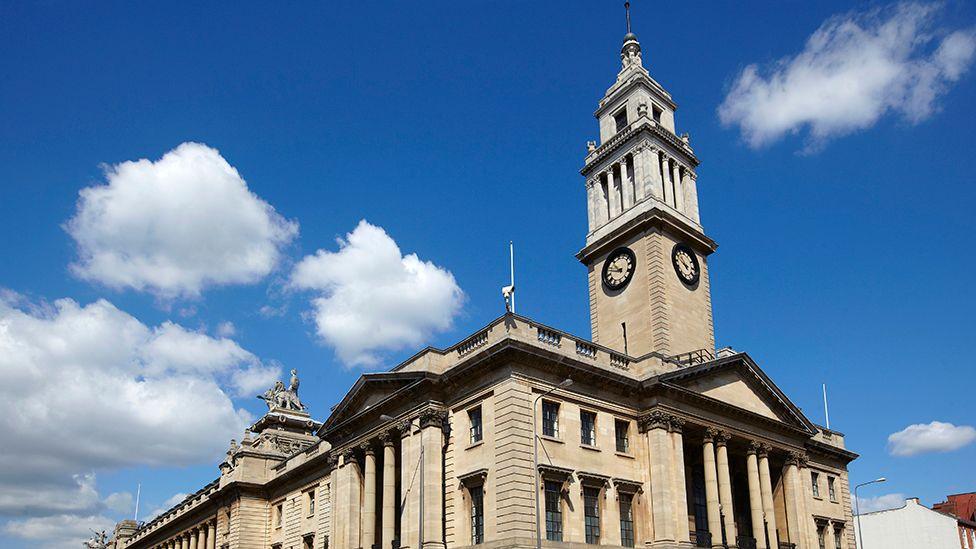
[{"x": 282, "y": 398}]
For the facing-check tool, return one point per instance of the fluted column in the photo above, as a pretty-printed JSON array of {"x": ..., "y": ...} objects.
[
  {"x": 369, "y": 497},
  {"x": 725, "y": 487},
  {"x": 626, "y": 185},
  {"x": 755, "y": 496},
  {"x": 591, "y": 211},
  {"x": 640, "y": 180},
  {"x": 612, "y": 189},
  {"x": 432, "y": 424},
  {"x": 766, "y": 487},
  {"x": 656, "y": 424},
  {"x": 682, "y": 531},
  {"x": 652, "y": 174},
  {"x": 711, "y": 487},
  {"x": 409, "y": 486},
  {"x": 676, "y": 178},
  {"x": 389, "y": 491},
  {"x": 793, "y": 492}
]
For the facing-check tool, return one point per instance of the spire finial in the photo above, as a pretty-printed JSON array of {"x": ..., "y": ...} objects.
[{"x": 627, "y": 11}]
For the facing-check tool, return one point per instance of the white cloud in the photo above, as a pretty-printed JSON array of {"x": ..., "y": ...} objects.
[
  {"x": 175, "y": 226},
  {"x": 937, "y": 436},
  {"x": 166, "y": 506},
  {"x": 373, "y": 298},
  {"x": 880, "y": 503},
  {"x": 58, "y": 531},
  {"x": 120, "y": 502},
  {"x": 853, "y": 69},
  {"x": 91, "y": 387},
  {"x": 226, "y": 329}
]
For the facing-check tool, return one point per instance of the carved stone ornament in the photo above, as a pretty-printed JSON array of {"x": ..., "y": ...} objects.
[
  {"x": 348, "y": 455},
  {"x": 332, "y": 461},
  {"x": 98, "y": 540},
  {"x": 367, "y": 447},
  {"x": 404, "y": 427},
  {"x": 710, "y": 434},
  {"x": 797, "y": 459},
  {"x": 675, "y": 424},
  {"x": 722, "y": 438},
  {"x": 656, "y": 419},
  {"x": 754, "y": 447},
  {"x": 433, "y": 418},
  {"x": 764, "y": 450},
  {"x": 386, "y": 438}
]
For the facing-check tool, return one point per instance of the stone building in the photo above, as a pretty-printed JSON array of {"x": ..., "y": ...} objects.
[{"x": 645, "y": 434}]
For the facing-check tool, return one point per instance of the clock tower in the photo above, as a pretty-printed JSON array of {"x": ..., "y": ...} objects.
[{"x": 646, "y": 251}]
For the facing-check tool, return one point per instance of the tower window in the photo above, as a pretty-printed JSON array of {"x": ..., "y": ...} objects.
[
  {"x": 657, "y": 112},
  {"x": 620, "y": 119},
  {"x": 831, "y": 492},
  {"x": 474, "y": 418},
  {"x": 279, "y": 514},
  {"x": 587, "y": 428},
  {"x": 591, "y": 512},
  {"x": 621, "y": 429},
  {"x": 554, "y": 513},
  {"x": 550, "y": 418},
  {"x": 815, "y": 484},
  {"x": 311, "y": 503}
]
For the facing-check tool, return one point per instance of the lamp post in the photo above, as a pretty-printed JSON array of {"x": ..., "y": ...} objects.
[
  {"x": 420, "y": 523},
  {"x": 535, "y": 450},
  {"x": 857, "y": 507}
]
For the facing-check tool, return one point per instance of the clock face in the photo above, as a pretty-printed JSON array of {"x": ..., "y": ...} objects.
[
  {"x": 685, "y": 264},
  {"x": 618, "y": 268}
]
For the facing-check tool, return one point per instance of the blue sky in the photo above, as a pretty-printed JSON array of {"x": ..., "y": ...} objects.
[{"x": 843, "y": 227}]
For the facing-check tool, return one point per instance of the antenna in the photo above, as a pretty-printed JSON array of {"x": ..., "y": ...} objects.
[
  {"x": 138, "y": 493},
  {"x": 627, "y": 10},
  {"x": 508, "y": 292},
  {"x": 826, "y": 411}
]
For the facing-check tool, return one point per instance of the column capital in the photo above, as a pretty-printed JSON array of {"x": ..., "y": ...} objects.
[
  {"x": 797, "y": 459},
  {"x": 333, "y": 460},
  {"x": 348, "y": 454},
  {"x": 433, "y": 418},
  {"x": 675, "y": 424},
  {"x": 722, "y": 437},
  {"x": 386, "y": 438},
  {"x": 655, "y": 419},
  {"x": 367, "y": 448},
  {"x": 753, "y": 447},
  {"x": 405, "y": 427},
  {"x": 710, "y": 434}
]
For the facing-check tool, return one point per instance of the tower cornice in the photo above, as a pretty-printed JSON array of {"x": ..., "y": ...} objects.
[{"x": 642, "y": 126}]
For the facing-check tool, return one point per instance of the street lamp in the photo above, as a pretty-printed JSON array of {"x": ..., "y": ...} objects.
[
  {"x": 857, "y": 507},
  {"x": 535, "y": 449},
  {"x": 420, "y": 525}
]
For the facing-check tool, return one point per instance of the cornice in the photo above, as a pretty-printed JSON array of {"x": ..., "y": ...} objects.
[
  {"x": 653, "y": 217},
  {"x": 645, "y": 125}
]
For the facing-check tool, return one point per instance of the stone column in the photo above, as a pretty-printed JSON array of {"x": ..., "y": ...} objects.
[
  {"x": 409, "y": 485},
  {"x": 626, "y": 185},
  {"x": 652, "y": 173},
  {"x": 682, "y": 531},
  {"x": 656, "y": 424},
  {"x": 755, "y": 496},
  {"x": 202, "y": 536},
  {"x": 676, "y": 178},
  {"x": 711, "y": 487},
  {"x": 766, "y": 487},
  {"x": 691, "y": 195},
  {"x": 612, "y": 189},
  {"x": 212, "y": 534},
  {"x": 793, "y": 493},
  {"x": 432, "y": 424},
  {"x": 369, "y": 497},
  {"x": 591, "y": 204},
  {"x": 725, "y": 487},
  {"x": 388, "y": 513},
  {"x": 640, "y": 179},
  {"x": 195, "y": 539},
  {"x": 668, "y": 197},
  {"x": 349, "y": 502}
]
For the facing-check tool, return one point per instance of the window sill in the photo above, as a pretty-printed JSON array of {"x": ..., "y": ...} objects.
[
  {"x": 551, "y": 439},
  {"x": 475, "y": 444},
  {"x": 818, "y": 498},
  {"x": 627, "y": 455},
  {"x": 589, "y": 447}
]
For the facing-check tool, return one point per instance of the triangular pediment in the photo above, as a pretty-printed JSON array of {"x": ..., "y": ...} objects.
[
  {"x": 737, "y": 381},
  {"x": 368, "y": 391}
]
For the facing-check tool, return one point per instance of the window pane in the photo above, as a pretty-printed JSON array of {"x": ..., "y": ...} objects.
[
  {"x": 626, "y": 520},
  {"x": 550, "y": 419},
  {"x": 474, "y": 417},
  {"x": 477, "y": 515},
  {"x": 591, "y": 512},
  {"x": 815, "y": 484},
  {"x": 620, "y": 120},
  {"x": 588, "y": 428},
  {"x": 621, "y": 430},
  {"x": 554, "y": 514}
]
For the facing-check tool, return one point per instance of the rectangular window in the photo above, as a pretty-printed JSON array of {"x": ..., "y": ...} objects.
[
  {"x": 279, "y": 514},
  {"x": 815, "y": 484},
  {"x": 621, "y": 433},
  {"x": 830, "y": 489},
  {"x": 587, "y": 428},
  {"x": 657, "y": 112},
  {"x": 550, "y": 419},
  {"x": 474, "y": 418},
  {"x": 822, "y": 536},
  {"x": 626, "y": 519},
  {"x": 477, "y": 515},
  {"x": 591, "y": 514},
  {"x": 620, "y": 119},
  {"x": 837, "y": 536},
  {"x": 554, "y": 511},
  {"x": 311, "y": 503}
]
